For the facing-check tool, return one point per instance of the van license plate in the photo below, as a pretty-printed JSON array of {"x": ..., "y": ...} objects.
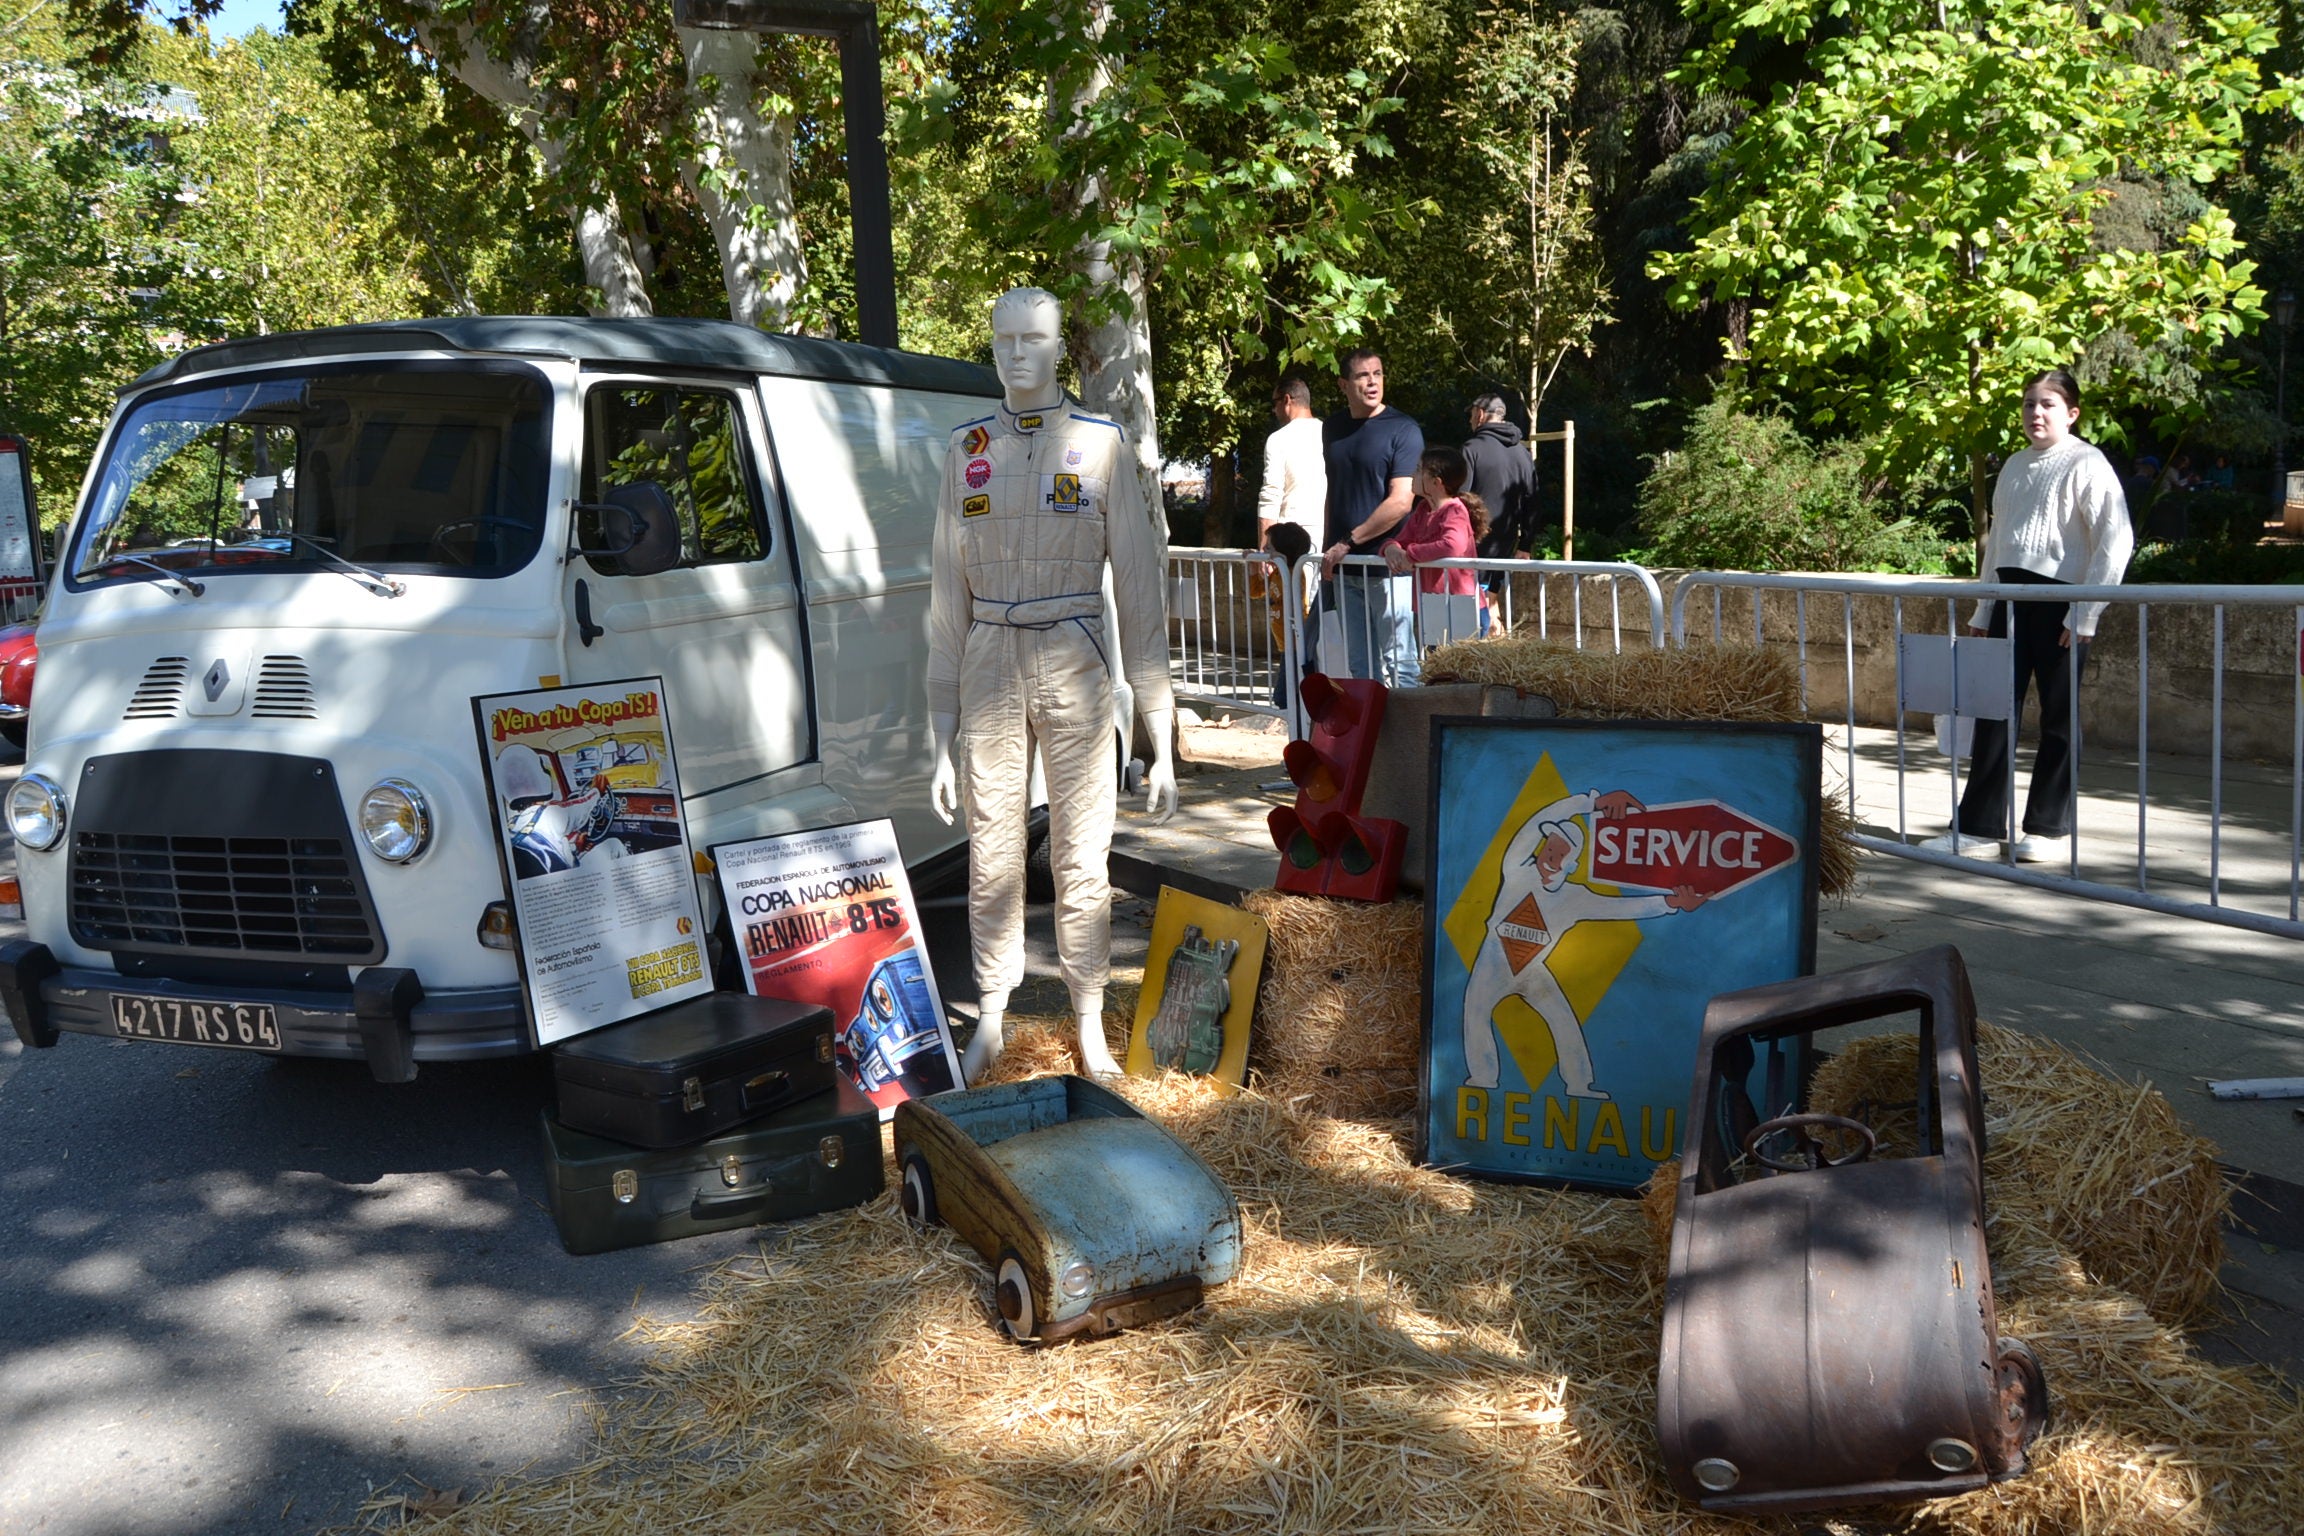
[{"x": 235, "y": 1026}]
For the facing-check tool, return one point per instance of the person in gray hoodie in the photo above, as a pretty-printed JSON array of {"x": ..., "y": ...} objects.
[{"x": 1503, "y": 476}]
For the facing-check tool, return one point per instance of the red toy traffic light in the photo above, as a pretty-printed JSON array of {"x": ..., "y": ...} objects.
[{"x": 1327, "y": 848}]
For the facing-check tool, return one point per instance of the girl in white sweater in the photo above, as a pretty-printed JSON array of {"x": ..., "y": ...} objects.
[{"x": 2059, "y": 518}]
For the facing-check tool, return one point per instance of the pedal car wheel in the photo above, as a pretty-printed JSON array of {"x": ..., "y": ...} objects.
[
  {"x": 1012, "y": 1293},
  {"x": 2023, "y": 1389},
  {"x": 918, "y": 1190}
]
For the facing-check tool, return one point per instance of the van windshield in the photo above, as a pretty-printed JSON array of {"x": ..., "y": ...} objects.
[{"x": 433, "y": 468}]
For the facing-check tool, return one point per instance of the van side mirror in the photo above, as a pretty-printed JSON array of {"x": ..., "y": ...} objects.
[{"x": 638, "y": 530}]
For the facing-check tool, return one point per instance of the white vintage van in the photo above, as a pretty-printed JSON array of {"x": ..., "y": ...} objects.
[{"x": 252, "y": 811}]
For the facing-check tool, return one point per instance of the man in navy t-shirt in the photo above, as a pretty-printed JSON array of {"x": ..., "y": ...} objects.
[{"x": 1371, "y": 451}]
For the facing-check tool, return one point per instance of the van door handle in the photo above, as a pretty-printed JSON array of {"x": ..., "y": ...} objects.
[{"x": 586, "y": 630}]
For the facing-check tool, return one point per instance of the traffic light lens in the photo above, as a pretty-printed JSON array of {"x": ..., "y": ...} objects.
[{"x": 1302, "y": 851}]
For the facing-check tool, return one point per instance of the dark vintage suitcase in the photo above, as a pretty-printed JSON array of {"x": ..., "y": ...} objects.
[
  {"x": 822, "y": 1154},
  {"x": 694, "y": 1070}
]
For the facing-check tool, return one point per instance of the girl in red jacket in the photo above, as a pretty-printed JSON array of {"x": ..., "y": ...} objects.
[{"x": 1444, "y": 524}]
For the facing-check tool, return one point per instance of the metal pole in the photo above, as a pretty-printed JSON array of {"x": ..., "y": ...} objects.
[{"x": 855, "y": 26}]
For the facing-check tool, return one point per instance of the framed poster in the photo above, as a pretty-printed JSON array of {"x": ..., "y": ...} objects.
[
  {"x": 1591, "y": 885},
  {"x": 1200, "y": 976},
  {"x": 826, "y": 916},
  {"x": 595, "y": 850}
]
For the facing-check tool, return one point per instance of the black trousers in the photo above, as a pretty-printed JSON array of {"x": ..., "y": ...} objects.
[{"x": 2039, "y": 659}]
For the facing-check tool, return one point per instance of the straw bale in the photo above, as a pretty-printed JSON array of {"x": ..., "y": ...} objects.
[
  {"x": 2100, "y": 1166},
  {"x": 1700, "y": 682},
  {"x": 1337, "y": 1028},
  {"x": 1402, "y": 1352}
]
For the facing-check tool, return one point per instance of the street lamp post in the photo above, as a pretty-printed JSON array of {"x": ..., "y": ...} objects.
[{"x": 2283, "y": 316}]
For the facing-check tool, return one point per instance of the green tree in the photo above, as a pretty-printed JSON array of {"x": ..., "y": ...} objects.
[
  {"x": 1912, "y": 214},
  {"x": 1747, "y": 492}
]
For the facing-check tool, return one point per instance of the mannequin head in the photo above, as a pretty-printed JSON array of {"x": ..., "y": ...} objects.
[{"x": 1027, "y": 343}]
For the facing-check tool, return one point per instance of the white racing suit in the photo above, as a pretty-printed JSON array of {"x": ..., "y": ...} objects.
[
  {"x": 1032, "y": 506},
  {"x": 1527, "y": 923}
]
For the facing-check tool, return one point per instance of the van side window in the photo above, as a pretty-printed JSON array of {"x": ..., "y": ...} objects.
[{"x": 691, "y": 442}]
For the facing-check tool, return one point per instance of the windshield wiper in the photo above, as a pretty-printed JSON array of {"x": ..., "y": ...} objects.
[
  {"x": 381, "y": 585},
  {"x": 178, "y": 586}
]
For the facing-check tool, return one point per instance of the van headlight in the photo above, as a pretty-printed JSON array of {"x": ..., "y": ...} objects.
[
  {"x": 395, "y": 820},
  {"x": 36, "y": 811}
]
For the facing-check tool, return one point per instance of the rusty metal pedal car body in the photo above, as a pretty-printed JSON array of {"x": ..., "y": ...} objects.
[
  {"x": 1829, "y": 1332},
  {"x": 1093, "y": 1216}
]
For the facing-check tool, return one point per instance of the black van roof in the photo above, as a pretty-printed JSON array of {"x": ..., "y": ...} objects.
[{"x": 676, "y": 342}]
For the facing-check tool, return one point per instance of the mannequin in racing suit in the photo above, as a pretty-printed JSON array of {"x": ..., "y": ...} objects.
[
  {"x": 1036, "y": 497},
  {"x": 1536, "y": 905}
]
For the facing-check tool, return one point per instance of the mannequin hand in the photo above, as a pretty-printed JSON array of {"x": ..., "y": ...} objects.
[
  {"x": 944, "y": 786},
  {"x": 1977, "y": 633},
  {"x": 1160, "y": 777},
  {"x": 2064, "y": 639}
]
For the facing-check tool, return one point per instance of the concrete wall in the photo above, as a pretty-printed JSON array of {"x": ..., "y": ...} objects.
[{"x": 2260, "y": 659}]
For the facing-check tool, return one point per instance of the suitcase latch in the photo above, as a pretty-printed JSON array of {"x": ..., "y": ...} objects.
[
  {"x": 823, "y": 1047},
  {"x": 625, "y": 1185},
  {"x": 830, "y": 1150},
  {"x": 692, "y": 1094},
  {"x": 731, "y": 1170}
]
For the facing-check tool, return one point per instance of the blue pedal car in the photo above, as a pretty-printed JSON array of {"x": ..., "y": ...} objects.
[{"x": 1093, "y": 1217}]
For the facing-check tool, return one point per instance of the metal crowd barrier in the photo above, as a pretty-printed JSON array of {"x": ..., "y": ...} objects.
[
  {"x": 1934, "y": 680},
  {"x": 1234, "y": 641}
]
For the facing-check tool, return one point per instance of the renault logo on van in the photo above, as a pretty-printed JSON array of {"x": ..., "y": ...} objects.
[{"x": 219, "y": 676}]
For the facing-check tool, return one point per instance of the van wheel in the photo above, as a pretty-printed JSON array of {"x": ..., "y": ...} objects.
[{"x": 1039, "y": 870}]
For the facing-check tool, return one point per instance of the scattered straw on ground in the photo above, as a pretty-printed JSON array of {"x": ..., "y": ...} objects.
[
  {"x": 1336, "y": 1017},
  {"x": 1403, "y": 1352}
]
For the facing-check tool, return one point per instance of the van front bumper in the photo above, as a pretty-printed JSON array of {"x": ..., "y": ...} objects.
[{"x": 401, "y": 1021}]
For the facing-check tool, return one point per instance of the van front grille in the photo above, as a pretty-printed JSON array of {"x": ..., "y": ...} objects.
[
  {"x": 208, "y": 853},
  {"x": 160, "y": 696},
  {"x": 263, "y": 895}
]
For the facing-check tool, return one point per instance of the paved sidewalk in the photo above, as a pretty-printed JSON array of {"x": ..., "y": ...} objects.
[{"x": 2172, "y": 1000}]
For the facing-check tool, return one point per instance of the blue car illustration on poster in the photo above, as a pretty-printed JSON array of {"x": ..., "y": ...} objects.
[{"x": 1592, "y": 885}]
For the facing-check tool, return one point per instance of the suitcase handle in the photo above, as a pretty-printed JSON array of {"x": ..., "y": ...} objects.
[
  {"x": 766, "y": 1091},
  {"x": 755, "y": 1197}
]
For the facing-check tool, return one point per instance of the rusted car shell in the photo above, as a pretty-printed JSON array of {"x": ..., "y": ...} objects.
[
  {"x": 1829, "y": 1334},
  {"x": 1046, "y": 1176}
]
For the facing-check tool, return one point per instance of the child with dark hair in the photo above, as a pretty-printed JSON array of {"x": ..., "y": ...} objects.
[{"x": 1445, "y": 523}]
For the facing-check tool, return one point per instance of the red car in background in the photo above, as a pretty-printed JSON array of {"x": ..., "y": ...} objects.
[{"x": 18, "y": 656}]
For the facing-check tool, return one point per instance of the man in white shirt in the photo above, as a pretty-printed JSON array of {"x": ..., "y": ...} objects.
[{"x": 1295, "y": 472}]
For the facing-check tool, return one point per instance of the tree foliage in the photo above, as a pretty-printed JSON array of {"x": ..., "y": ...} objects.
[{"x": 1914, "y": 214}]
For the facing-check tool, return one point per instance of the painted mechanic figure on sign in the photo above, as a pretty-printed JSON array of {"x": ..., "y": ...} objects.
[
  {"x": 1036, "y": 498},
  {"x": 1536, "y": 905}
]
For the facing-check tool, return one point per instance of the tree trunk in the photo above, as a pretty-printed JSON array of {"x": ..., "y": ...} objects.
[
  {"x": 610, "y": 264},
  {"x": 1114, "y": 353},
  {"x": 741, "y": 177}
]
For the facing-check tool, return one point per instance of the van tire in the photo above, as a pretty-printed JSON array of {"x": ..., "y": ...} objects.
[
  {"x": 13, "y": 731},
  {"x": 1039, "y": 870}
]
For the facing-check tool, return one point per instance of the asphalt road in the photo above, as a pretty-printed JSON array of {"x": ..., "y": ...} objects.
[{"x": 237, "y": 1294}]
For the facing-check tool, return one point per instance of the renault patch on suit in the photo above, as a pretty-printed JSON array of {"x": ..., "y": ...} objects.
[{"x": 1071, "y": 493}]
